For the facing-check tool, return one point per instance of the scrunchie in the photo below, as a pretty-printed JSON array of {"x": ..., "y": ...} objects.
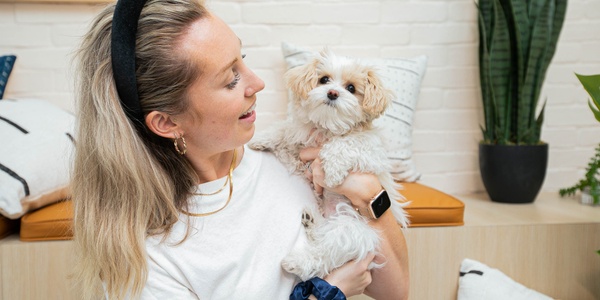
[{"x": 318, "y": 287}]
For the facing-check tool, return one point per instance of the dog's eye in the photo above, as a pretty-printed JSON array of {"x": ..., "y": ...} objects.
[
  {"x": 351, "y": 88},
  {"x": 324, "y": 80}
]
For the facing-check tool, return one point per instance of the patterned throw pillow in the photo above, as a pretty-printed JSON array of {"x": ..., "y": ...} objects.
[
  {"x": 35, "y": 154},
  {"x": 6, "y": 66},
  {"x": 479, "y": 281},
  {"x": 403, "y": 76}
]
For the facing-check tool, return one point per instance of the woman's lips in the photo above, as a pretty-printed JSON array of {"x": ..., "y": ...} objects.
[{"x": 249, "y": 113}]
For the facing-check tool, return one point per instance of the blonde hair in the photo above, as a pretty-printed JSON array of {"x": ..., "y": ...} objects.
[{"x": 127, "y": 184}]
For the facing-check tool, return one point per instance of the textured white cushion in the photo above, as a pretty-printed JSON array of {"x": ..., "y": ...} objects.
[
  {"x": 401, "y": 75},
  {"x": 478, "y": 281},
  {"x": 35, "y": 155}
]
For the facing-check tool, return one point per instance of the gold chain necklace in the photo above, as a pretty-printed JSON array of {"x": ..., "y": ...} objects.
[{"x": 213, "y": 193}]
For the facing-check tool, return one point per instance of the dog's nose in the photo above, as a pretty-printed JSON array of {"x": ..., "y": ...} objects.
[{"x": 332, "y": 95}]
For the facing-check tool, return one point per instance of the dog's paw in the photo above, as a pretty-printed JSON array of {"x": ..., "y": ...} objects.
[
  {"x": 290, "y": 264},
  {"x": 334, "y": 176},
  {"x": 260, "y": 145},
  {"x": 302, "y": 265},
  {"x": 307, "y": 220},
  {"x": 335, "y": 171}
]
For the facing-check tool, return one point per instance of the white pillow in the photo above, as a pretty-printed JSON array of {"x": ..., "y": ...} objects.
[
  {"x": 35, "y": 153},
  {"x": 401, "y": 75},
  {"x": 478, "y": 281}
]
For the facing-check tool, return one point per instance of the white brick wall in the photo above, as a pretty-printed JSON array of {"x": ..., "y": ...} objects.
[{"x": 448, "y": 115}]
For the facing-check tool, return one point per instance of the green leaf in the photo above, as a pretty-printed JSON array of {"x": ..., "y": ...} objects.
[
  {"x": 500, "y": 71},
  {"x": 595, "y": 111},
  {"x": 531, "y": 136},
  {"x": 522, "y": 24},
  {"x": 537, "y": 133},
  {"x": 485, "y": 17},
  {"x": 484, "y": 71},
  {"x": 557, "y": 24},
  {"x": 557, "y": 12},
  {"x": 486, "y": 135},
  {"x": 591, "y": 83},
  {"x": 534, "y": 8},
  {"x": 535, "y": 71}
]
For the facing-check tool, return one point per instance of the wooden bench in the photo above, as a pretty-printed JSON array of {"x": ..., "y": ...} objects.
[
  {"x": 35, "y": 264},
  {"x": 549, "y": 246}
]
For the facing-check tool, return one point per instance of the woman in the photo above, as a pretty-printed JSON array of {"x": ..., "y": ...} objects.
[{"x": 169, "y": 203}]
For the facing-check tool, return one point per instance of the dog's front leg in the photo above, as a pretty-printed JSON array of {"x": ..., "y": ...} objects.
[
  {"x": 270, "y": 139},
  {"x": 337, "y": 161},
  {"x": 278, "y": 140}
]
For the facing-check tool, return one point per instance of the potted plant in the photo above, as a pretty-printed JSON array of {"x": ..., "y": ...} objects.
[
  {"x": 517, "y": 40},
  {"x": 589, "y": 186}
]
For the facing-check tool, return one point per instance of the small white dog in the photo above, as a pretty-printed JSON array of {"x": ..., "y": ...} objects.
[{"x": 334, "y": 101}]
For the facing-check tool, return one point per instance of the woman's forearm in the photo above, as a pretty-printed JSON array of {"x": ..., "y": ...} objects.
[{"x": 392, "y": 280}]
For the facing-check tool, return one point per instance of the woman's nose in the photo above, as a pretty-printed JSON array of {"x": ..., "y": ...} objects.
[{"x": 256, "y": 85}]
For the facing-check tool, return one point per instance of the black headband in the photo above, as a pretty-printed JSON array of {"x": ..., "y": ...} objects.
[{"x": 124, "y": 29}]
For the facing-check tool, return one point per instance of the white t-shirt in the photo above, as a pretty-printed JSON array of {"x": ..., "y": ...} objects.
[{"x": 237, "y": 252}]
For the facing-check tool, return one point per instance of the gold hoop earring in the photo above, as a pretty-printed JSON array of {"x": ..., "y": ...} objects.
[{"x": 175, "y": 143}]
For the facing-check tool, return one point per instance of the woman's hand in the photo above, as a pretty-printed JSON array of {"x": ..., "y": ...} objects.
[
  {"x": 358, "y": 187},
  {"x": 353, "y": 277}
]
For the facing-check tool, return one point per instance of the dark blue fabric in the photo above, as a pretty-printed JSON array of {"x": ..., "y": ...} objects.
[
  {"x": 6, "y": 66},
  {"x": 324, "y": 291},
  {"x": 317, "y": 287},
  {"x": 301, "y": 291}
]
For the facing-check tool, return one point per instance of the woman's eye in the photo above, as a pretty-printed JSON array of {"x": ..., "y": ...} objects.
[
  {"x": 324, "y": 80},
  {"x": 235, "y": 81},
  {"x": 351, "y": 88}
]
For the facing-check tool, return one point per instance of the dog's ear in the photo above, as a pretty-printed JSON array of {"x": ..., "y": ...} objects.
[
  {"x": 326, "y": 53},
  {"x": 377, "y": 97},
  {"x": 302, "y": 79}
]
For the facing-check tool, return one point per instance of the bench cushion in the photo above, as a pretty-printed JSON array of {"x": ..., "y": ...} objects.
[
  {"x": 7, "y": 226},
  {"x": 53, "y": 222},
  {"x": 431, "y": 207},
  {"x": 428, "y": 207}
]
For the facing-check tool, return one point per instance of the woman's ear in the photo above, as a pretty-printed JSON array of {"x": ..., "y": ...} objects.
[{"x": 162, "y": 124}]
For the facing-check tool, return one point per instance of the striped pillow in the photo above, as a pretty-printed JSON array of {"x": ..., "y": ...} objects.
[
  {"x": 479, "y": 281},
  {"x": 35, "y": 153},
  {"x": 403, "y": 76}
]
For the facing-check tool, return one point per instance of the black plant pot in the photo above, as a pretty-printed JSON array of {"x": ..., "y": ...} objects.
[{"x": 513, "y": 174}]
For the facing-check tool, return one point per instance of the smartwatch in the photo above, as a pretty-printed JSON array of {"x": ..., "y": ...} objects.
[{"x": 377, "y": 206}]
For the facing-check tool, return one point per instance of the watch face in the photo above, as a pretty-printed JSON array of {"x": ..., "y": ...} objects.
[{"x": 381, "y": 204}]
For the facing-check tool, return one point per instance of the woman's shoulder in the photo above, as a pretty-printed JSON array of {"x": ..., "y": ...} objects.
[{"x": 270, "y": 168}]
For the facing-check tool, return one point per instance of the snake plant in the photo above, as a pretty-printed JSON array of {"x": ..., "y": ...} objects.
[{"x": 517, "y": 42}]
